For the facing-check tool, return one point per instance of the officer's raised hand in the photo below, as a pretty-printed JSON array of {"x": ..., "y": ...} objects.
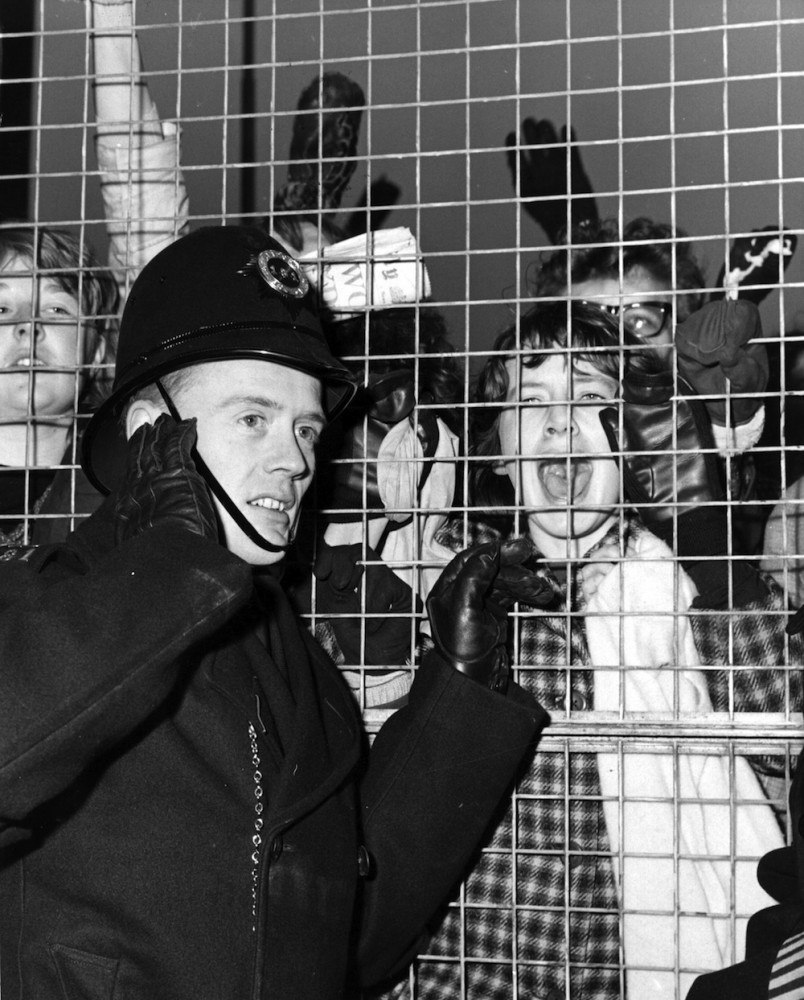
[
  {"x": 468, "y": 607},
  {"x": 161, "y": 484}
]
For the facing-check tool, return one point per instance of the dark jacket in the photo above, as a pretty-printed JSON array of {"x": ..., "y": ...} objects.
[
  {"x": 781, "y": 874},
  {"x": 142, "y": 725},
  {"x": 67, "y": 501}
]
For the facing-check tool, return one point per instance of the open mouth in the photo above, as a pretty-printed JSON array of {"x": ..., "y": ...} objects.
[{"x": 565, "y": 480}]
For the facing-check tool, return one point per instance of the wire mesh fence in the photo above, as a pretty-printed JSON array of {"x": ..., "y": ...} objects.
[{"x": 643, "y": 160}]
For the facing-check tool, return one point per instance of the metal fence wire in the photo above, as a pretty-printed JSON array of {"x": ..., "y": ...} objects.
[{"x": 630, "y": 170}]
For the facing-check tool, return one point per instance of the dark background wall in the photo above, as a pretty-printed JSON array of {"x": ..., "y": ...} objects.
[{"x": 690, "y": 111}]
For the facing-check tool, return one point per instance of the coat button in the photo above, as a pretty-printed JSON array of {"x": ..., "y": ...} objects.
[
  {"x": 276, "y": 848},
  {"x": 364, "y": 866},
  {"x": 578, "y": 701}
]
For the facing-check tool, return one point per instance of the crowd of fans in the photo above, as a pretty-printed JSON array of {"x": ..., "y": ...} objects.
[{"x": 602, "y": 497}]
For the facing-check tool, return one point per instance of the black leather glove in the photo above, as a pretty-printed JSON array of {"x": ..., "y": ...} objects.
[
  {"x": 353, "y": 486},
  {"x": 387, "y": 400},
  {"x": 468, "y": 607},
  {"x": 720, "y": 352},
  {"x": 669, "y": 466},
  {"x": 669, "y": 461},
  {"x": 161, "y": 484},
  {"x": 351, "y": 581},
  {"x": 542, "y": 174}
]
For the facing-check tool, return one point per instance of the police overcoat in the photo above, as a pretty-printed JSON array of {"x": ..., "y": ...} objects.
[{"x": 184, "y": 812}]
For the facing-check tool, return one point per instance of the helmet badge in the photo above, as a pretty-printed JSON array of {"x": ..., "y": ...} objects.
[{"x": 283, "y": 274}]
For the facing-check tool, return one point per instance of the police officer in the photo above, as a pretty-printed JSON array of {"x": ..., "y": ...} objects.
[{"x": 184, "y": 808}]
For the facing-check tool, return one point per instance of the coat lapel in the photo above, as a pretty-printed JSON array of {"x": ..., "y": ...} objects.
[{"x": 325, "y": 741}]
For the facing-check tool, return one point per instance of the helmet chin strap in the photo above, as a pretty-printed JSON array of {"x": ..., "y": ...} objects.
[{"x": 218, "y": 491}]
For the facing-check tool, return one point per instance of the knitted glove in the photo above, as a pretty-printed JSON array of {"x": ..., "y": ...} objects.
[
  {"x": 539, "y": 172},
  {"x": 755, "y": 261},
  {"x": 324, "y": 144},
  {"x": 718, "y": 354},
  {"x": 468, "y": 607},
  {"x": 161, "y": 484},
  {"x": 372, "y": 622}
]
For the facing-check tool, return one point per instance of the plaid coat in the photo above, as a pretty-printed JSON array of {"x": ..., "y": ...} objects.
[{"x": 538, "y": 916}]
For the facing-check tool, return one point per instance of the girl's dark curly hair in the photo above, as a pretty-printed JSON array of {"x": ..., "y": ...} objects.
[
  {"x": 588, "y": 333},
  {"x": 597, "y": 251},
  {"x": 404, "y": 337}
]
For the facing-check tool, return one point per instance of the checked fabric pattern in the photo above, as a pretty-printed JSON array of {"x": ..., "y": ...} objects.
[{"x": 539, "y": 913}]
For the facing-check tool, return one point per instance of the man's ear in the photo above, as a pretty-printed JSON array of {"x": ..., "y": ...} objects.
[{"x": 141, "y": 411}]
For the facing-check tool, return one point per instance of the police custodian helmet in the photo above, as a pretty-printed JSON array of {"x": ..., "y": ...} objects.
[{"x": 219, "y": 294}]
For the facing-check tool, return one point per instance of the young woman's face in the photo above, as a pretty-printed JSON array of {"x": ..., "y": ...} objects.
[
  {"x": 42, "y": 344},
  {"x": 557, "y": 454},
  {"x": 647, "y": 322}
]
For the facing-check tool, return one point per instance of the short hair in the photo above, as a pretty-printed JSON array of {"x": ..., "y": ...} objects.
[
  {"x": 589, "y": 333},
  {"x": 386, "y": 338},
  {"x": 72, "y": 264},
  {"x": 596, "y": 251},
  {"x": 173, "y": 383}
]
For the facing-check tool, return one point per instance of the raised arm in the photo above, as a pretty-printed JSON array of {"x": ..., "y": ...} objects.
[
  {"x": 123, "y": 103},
  {"x": 540, "y": 161},
  {"x": 440, "y": 765},
  {"x": 145, "y": 200}
]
